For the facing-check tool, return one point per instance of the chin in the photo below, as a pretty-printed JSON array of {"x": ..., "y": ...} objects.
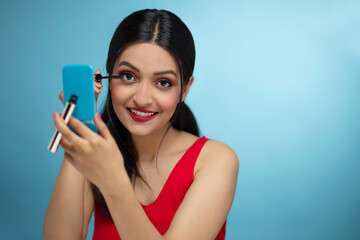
[
  {"x": 144, "y": 130},
  {"x": 139, "y": 133}
]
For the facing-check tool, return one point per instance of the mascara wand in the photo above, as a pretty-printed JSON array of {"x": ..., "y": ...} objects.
[{"x": 98, "y": 77}]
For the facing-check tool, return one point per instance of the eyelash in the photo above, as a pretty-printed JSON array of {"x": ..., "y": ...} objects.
[
  {"x": 123, "y": 76},
  {"x": 168, "y": 82}
]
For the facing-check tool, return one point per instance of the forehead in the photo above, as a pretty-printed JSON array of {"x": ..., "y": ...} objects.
[{"x": 148, "y": 57}]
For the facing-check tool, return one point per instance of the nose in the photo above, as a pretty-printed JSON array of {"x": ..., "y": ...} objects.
[{"x": 143, "y": 96}]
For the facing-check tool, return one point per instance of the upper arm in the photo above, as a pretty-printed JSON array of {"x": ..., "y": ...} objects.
[
  {"x": 89, "y": 203},
  {"x": 208, "y": 200}
]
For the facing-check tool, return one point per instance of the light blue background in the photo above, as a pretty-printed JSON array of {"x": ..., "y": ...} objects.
[{"x": 278, "y": 81}]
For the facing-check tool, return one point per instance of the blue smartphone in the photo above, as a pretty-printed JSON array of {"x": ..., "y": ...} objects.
[{"x": 79, "y": 80}]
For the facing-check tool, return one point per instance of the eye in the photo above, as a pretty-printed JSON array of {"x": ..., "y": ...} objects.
[
  {"x": 164, "y": 83},
  {"x": 125, "y": 76}
]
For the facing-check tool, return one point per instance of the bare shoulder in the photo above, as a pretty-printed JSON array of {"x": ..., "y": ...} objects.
[
  {"x": 216, "y": 151},
  {"x": 217, "y": 155},
  {"x": 182, "y": 141},
  {"x": 216, "y": 148}
]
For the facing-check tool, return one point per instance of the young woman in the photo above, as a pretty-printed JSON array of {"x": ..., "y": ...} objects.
[{"x": 147, "y": 175}]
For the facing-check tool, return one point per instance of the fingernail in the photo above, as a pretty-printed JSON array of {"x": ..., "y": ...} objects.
[
  {"x": 60, "y": 114},
  {"x": 99, "y": 85},
  {"x": 54, "y": 114},
  {"x": 98, "y": 116}
]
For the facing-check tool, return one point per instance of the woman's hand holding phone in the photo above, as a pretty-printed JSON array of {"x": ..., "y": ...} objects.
[{"x": 97, "y": 89}]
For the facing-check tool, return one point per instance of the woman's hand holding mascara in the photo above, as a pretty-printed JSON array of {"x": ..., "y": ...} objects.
[
  {"x": 97, "y": 157},
  {"x": 97, "y": 85}
]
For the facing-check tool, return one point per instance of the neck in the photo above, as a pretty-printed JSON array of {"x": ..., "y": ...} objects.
[{"x": 148, "y": 146}]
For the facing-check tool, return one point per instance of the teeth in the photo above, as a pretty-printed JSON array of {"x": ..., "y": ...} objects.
[{"x": 141, "y": 114}]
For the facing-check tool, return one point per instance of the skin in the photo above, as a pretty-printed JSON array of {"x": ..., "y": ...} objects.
[
  {"x": 97, "y": 159},
  {"x": 146, "y": 88}
]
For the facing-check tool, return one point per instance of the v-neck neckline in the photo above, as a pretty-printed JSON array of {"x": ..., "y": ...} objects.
[{"x": 170, "y": 175}]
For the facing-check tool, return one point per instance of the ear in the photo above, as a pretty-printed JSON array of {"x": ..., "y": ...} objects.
[{"x": 187, "y": 87}]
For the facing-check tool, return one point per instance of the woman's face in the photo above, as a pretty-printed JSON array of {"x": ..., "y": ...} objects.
[{"x": 146, "y": 96}]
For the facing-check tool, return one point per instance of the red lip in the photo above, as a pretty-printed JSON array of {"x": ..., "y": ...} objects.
[{"x": 140, "y": 118}]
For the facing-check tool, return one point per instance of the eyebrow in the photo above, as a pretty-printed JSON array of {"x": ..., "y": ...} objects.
[
  {"x": 129, "y": 65},
  {"x": 137, "y": 70},
  {"x": 165, "y": 72}
]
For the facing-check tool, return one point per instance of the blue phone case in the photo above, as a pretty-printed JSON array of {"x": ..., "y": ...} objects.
[{"x": 79, "y": 80}]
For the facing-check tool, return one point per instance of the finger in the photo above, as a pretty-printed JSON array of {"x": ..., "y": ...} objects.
[
  {"x": 96, "y": 98},
  {"x": 97, "y": 86},
  {"x": 97, "y": 90},
  {"x": 102, "y": 128},
  {"x": 96, "y": 83},
  {"x": 67, "y": 146},
  {"x": 65, "y": 131},
  {"x": 81, "y": 129},
  {"x": 96, "y": 72},
  {"x": 61, "y": 96}
]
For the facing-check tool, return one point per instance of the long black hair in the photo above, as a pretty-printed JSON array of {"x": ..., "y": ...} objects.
[{"x": 165, "y": 29}]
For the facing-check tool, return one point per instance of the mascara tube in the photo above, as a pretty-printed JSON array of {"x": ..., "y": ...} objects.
[{"x": 66, "y": 114}]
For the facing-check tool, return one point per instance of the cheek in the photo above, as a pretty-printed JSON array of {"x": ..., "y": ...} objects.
[
  {"x": 169, "y": 102},
  {"x": 118, "y": 98},
  {"x": 119, "y": 95}
]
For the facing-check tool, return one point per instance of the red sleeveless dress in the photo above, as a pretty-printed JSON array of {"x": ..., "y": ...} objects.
[{"x": 162, "y": 210}]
